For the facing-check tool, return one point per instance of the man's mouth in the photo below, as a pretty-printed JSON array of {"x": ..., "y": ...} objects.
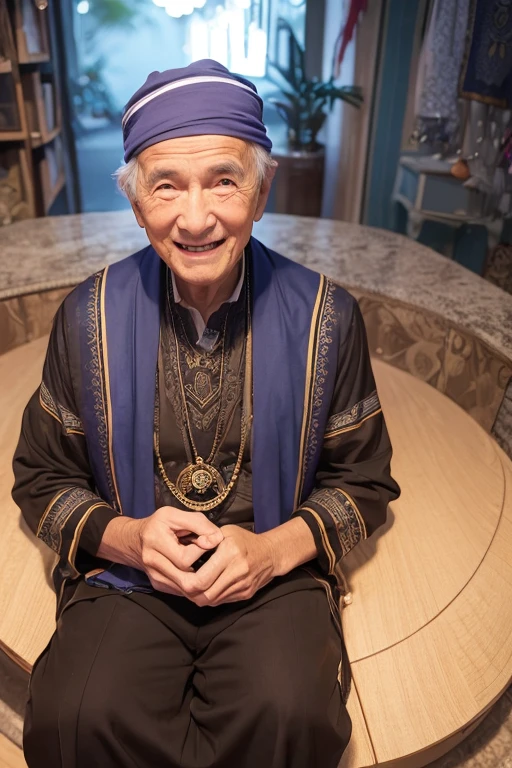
[{"x": 199, "y": 248}]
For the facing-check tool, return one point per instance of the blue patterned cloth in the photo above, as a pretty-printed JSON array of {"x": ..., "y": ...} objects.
[
  {"x": 439, "y": 68},
  {"x": 487, "y": 71}
]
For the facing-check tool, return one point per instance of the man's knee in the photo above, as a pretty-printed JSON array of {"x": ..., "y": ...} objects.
[
  {"x": 294, "y": 704},
  {"x": 40, "y": 730},
  {"x": 100, "y": 709}
]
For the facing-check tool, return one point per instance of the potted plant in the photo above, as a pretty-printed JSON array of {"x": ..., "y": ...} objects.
[{"x": 304, "y": 104}]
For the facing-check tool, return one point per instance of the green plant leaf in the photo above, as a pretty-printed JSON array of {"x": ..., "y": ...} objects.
[
  {"x": 308, "y": 100},
  {"x": 284, "y": 75},
  {"x": 295, "y": 53}
]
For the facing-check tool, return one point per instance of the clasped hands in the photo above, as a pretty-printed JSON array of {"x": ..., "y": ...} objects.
[{"x": 170, "y": 541}]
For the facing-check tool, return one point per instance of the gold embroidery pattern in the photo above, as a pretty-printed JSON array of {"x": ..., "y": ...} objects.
[
  {"x": 352, "y": 418},
  {"x": 59, "y": 512},
  {"x": 47, "y": 402},
  {"x": 327, "y": 325},
  {"x": 94, "y": 332},
  {"x": 347, "y": 519},
  {"x": 71, "y": 423},
  {"x": 211, "y": 398},
  {"x": 308, "y": 389}
]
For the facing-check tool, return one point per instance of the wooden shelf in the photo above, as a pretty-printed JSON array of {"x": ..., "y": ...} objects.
[
  {"x": 31, "y": 148},
  {"x": 16, "y": 160},
  {"x": 55, "y": 191},
  {"x": 34, "y": 58},
  {"x": 12, "y": 136},
  {"x": 31, "y": 33},
  {"x": 40, "y": 139}
]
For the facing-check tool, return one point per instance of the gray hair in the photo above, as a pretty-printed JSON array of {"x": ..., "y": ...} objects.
[{"x": 126, "y": 175}]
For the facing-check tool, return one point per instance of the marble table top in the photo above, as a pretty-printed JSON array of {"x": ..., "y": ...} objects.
[{"x": 60, "y": 251}]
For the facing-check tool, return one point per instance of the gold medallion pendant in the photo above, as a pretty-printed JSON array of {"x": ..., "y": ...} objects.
[
  {"x": 200, "y": 477},
  {"x": 200, "y": 486}
]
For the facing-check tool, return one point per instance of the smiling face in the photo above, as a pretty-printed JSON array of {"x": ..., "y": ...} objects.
[{"x": 197, "y": 198}]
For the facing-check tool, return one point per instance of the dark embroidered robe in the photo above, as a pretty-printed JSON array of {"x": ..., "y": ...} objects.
[{"x": 344, "y": 448}]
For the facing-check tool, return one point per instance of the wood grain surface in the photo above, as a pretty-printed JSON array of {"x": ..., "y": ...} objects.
[
  {"x": 11, "y": 756},
  {"x": 429, "y": 631},
  {"x": 441, "y": 527},
  {"x": 27, "y": 601}
]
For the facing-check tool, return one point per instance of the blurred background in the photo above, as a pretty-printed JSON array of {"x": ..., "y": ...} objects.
[
  {"x": 391, "y": 124},
  {"x": 390, "y": 113}
]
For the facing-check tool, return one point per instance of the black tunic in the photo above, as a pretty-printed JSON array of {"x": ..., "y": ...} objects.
[{"x": 353, "y": 481}]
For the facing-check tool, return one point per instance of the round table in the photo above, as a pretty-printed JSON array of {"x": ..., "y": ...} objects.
[{"x": 429, "y": 629}]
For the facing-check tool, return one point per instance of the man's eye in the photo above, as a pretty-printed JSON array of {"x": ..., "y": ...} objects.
[
  {"x": 225, "y": 182},
  {"x": 165, "y": 186}
]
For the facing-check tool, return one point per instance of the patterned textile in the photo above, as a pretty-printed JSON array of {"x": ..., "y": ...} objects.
[
  {"x": 70, "y": 422},
  {"x": 426, "y": 345},
  {"x": 448, "y": 358},
  {"x": 353, "y": 417},
  {"x": 487, "y": 69},
  {"x": 439, "y": 66},
  {"x": 498, "y": 268}
]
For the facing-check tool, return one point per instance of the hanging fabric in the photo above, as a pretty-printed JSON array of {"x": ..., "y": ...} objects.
[
  {"x": 439, "y": 71},
  {"x": 487, "y": 67},
  {"x": 357, "y": 7}
]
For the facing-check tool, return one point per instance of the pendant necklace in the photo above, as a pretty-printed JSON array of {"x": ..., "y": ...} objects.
[{"x": 201, "y": 476}]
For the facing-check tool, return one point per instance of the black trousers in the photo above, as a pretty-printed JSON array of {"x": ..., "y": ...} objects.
[{"x": 150, "y": 681}]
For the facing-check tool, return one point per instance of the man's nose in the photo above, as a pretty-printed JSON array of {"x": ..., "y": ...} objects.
[{"x": 196, "y": 216}]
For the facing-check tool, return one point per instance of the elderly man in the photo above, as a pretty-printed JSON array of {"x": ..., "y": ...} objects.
[{"x": 204, "y": 448}]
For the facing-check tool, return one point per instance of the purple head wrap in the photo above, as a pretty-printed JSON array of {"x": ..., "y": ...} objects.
[{"x": 203, "y": 98}]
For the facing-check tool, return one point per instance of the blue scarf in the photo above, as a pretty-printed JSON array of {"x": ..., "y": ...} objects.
[{"x": 294, "y": 362}]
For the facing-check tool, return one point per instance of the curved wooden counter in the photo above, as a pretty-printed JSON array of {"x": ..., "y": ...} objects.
[{"x": 429, "y": 630}]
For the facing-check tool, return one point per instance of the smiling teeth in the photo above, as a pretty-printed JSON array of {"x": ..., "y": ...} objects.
[{"x": 198, "y": 249}]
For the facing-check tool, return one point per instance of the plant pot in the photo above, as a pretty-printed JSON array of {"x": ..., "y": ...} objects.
[{"x": 298, "y": 183}]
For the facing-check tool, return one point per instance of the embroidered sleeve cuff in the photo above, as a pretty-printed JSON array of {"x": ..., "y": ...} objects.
[
  {"x": 336, "y": 524},
  {"x": 75, "y": 517}
]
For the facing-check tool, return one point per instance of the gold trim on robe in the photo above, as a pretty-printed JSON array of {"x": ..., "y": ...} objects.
[
  {"x": 71, "y": 423},
  {"x": 96, "y": 333},
  {"x": 354, "y": 417},
  {"x": 312, "y": 358},
  {"x": 58, "y": 512}
]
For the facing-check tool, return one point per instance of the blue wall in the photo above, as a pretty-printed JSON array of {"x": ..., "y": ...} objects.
[{"x": 392, "y": 87}]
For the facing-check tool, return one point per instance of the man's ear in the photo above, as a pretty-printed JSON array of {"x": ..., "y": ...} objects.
[
  {"x": 138, "y": 215},
  {"x": 264, "y": 192}
]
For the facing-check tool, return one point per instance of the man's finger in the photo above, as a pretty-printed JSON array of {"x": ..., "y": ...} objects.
[
  {"x": 164, "y": 574},
  {"x": 228, "y": 584},
  {"x": 194, "y": 522},
  {"x": 234, "y": 594},
  {"x": 211, "y": 541},
  {"x": 203, "y": 541},
  {"x": 181, "y": 555},
  {"x": 212, "y": 570},
  {"x": 185, "y": 580}
]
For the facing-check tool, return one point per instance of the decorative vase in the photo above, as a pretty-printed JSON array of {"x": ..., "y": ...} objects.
[{"x": 298, "y": 182}]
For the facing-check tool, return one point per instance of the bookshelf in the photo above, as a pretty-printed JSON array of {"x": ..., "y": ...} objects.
[{"x": 31, "y": 149}]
